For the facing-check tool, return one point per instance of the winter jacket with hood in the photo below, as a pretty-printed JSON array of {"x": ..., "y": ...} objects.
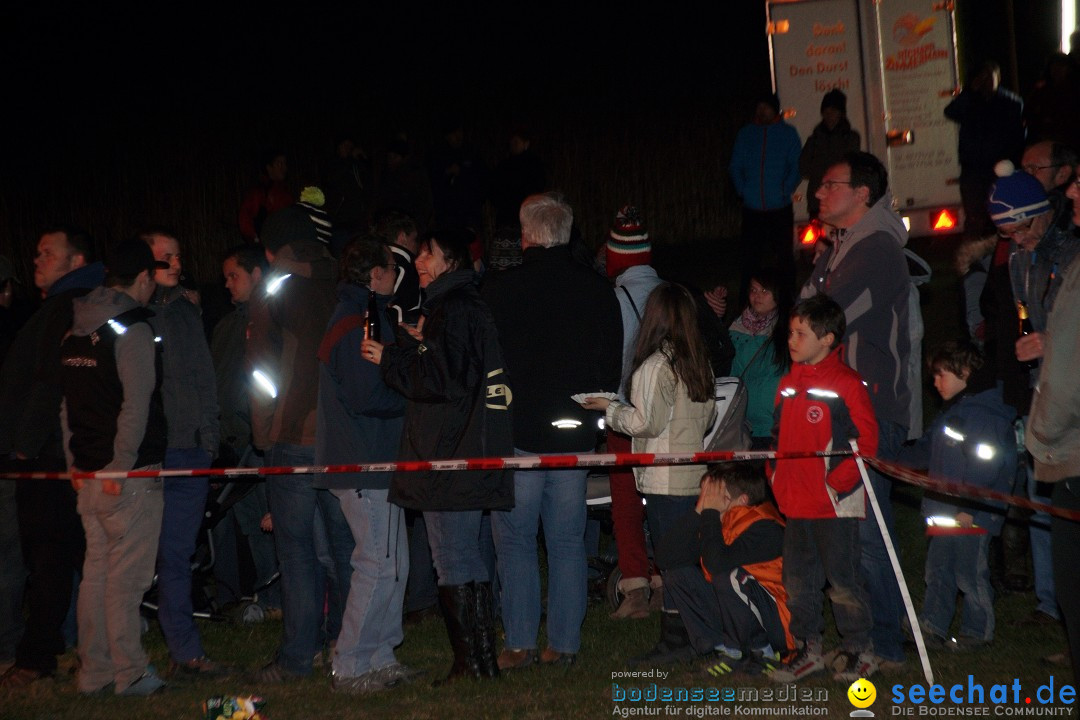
[
  {"x": 289, "y": 311},
  {"x": 765, "y": 165},
  {"x": 819, "y": 408},
  {"x": 823, "y": 149},
  {"x": 189, "y": 387},
  {"x": 91, "y": 399},
  {"x": 971, "y": 442},
  {"x": 459, "y": 401},
  {"x": 662, "y": 418},
  {"x": 1053, "y": 430},
  {"x": 866, "y": 273},
  {"x": 30, "y": 387},
  {"x": 359, "y": 417}
]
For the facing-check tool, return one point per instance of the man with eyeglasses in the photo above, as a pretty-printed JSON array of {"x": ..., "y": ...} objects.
[
  {"x": 1051, "y": 163},
  {"x": 866, "y": 272},
  {"x": 1040, "y": 254}
]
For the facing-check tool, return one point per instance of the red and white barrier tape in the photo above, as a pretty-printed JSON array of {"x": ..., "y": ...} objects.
[
  {"x": 524, "y": 462},
  {"x": 539, "y": 462}
]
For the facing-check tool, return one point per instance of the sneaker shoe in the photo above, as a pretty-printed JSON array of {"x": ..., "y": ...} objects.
[
  {"x": 760, "y": 662},
  {"x": 274, "y": 674},
  {"x": 365, "y": 684},
  {"x": 849, "y": 667},
  {"x": 147, "y": 684},
  {"x": 16, "y": 677},
  {"x": 396, "y": 674},
  {"x": 721, "y": 664},
  {"x": 1038, "y": 618},
  {"x": 804, "y": 663},
  {"x": 964, "y": 643},
  {"x": 199, "y": 667},
  {"x": 510, "y": 659},
  {"x": 554, "y": 657},
  {"x": 634, "y": 605}
]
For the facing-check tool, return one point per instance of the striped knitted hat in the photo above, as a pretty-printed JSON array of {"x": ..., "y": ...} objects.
[
  {"x": 312, "y": 201},
  {"x": 1016, "y": 196},
  {"x": 628, "y": 244}
]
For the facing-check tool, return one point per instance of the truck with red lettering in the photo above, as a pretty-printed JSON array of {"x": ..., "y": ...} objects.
[{"x": 896, "y": 62}]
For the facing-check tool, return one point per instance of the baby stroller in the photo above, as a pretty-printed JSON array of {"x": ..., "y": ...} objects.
[{"x": 205, "y": 588}]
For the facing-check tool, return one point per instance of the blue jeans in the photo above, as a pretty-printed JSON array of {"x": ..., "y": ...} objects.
[
  {"x": 181, "y": 523},
  {"x": 959, "y": 564},
  {"x": 293, "y": 504},
  {"x": 662, "y": 512},
  {"x": 1042, "y": 561},
  {"x": 457, "y": 541},
  {"x": 886, "y": 605},
  {"x": 371, "y": 624},
  {"x": 557, "y": 498}
]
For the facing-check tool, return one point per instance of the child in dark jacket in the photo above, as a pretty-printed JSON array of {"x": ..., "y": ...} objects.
[
  {"x": 722, "y": 567},
  {"x": 821, "y": 405},
  {"x": 971, "y": 442}
]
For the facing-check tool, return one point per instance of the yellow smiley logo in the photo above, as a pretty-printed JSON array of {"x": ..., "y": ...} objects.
[{"x": 862, "y": 693}]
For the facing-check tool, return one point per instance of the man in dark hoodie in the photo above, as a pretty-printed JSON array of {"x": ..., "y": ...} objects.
[
  {"x": 865, "y": 271},
  {"x": 832, "y": 138},
  {"x": 189, "y": 392},
  {"x": 65, "y": 267},
  {"x": 113, "y": 421},
  {"x": 289, "y": 313}
]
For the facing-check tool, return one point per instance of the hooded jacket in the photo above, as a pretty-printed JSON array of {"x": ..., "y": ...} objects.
[
  {"x": 459, "y": 401},
  {"x": 823, "y": 149},
  {"x": 359, "y": 417},
  {"x": 866, "y": 273},
  {"x": 189, "y": 387},
  {"x": 1053, "y": 430},
  {"x": 112, "y": 413},
  {"x": 819, "y": 408},
  {"x": 30, "y": 386},
  {"x": 972, "y": 442},
  {"x": 765, "y": 165},
  {"x": 289, "y": 312}
]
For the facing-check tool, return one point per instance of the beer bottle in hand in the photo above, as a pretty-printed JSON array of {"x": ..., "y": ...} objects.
[
  {"x": 372, "y": 326},
  {"x": 1025, "y": 329}
]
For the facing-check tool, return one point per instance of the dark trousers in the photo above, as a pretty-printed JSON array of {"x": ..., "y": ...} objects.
[
  {"x": 733, "y": 610},
  {"x": 768, "y": 238},
  {"x": 820, "y": 550},
  {"x": 53, "y": 544},
  {"x": 1065, "y": 543}
]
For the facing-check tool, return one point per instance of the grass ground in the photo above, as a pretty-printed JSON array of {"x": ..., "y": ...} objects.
[{"x": 585, "y": 690}]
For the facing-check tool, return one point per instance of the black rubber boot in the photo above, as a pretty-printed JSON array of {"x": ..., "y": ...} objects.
[
  {"x": 674, "y": 645},
  {"x": 459, "y": 613},
  {"x": 486, "y": 656}
]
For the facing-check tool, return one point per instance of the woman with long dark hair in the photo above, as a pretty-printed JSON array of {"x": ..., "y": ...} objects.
[
  {"x": 760, "y": 337},
  {"x": 450, "y": 370}
]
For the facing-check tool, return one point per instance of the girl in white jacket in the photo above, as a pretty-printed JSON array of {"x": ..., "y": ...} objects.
[{"x": 671, "y": 404}]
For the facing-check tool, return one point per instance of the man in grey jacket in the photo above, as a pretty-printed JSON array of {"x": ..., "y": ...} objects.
[
  {"x": 866, "y": 272},
  {"x": 189, "y": 392}
]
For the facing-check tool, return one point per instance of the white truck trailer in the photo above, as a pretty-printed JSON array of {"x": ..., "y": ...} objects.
[{"x": 896, "y": 62}]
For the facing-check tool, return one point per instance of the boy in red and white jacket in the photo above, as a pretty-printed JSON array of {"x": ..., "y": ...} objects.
[{"x": 821, "y": 405}]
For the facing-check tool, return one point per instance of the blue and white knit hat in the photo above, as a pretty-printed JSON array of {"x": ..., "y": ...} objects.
[
  {"x": 628, "y": 244},
  {"x": 1016, "y": 196}
]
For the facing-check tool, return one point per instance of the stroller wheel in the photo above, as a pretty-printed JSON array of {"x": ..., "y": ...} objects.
[
  {"x": 614, "y": 595},
  {"x": 247, "y": 613}
]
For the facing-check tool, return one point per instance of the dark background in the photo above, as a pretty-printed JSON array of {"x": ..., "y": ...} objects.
[{"x": 157, "y": 114}]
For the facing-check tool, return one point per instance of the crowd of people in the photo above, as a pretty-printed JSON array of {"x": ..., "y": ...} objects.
[{"x": 354, "y": 342}]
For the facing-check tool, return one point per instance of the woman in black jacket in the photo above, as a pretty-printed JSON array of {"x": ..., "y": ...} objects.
[{"x": 450, "y": 370}]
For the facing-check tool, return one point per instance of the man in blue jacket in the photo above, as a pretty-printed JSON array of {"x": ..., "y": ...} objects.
[{"x": 765, "y": 170}]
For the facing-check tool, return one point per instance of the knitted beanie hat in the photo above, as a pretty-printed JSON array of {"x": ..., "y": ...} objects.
[
  {"x": 628, "y": 244},
  {"x": 1016, "y": 196},
  {"x": 286, "y": 226},
  {"x": 312, "y": 201}
]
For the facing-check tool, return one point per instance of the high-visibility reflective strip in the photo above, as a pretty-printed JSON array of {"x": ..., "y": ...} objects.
[
  {"x": 274, "y": 285},
  {"x": 264, "y": 383},
  {"x": 950, "y": 433}
]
